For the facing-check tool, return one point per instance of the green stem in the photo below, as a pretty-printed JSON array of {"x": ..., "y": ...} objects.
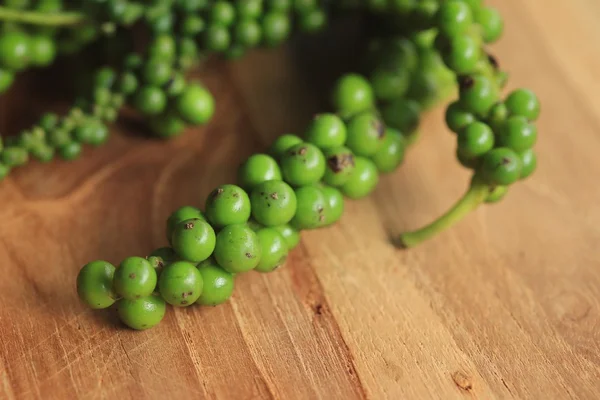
[
  {"x": 471, "y": 199},
  {"x": 39, "y": 18}
]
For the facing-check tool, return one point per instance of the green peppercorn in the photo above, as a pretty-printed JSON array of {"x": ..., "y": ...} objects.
[
  {"x": 143, "y": 313},
  {"x": 166, "y": 125},
  {"x": 477, "y": 95},
  {"x": 217, "y": 38},
  {"x": 42, "y": 50},
  {"x": 227, "y": 205},
  {"x": 303, "y": 164},
  {"x": 365, "y": 134},
  {"x": 150, "y": 100},
  {"x": 390, "y": 82},
  {"x": 15, "y": 50},
  {"x": 193, "y": 240},
  {"x": 134, "y": 278},
  {"x": 257, "y": 169},
  {"x": 13, "y": 156},
  {"x": 218, "y": 284},
  {"x": 518, "y": 134},
  {"x": 312, "y": 208},
  {"x": 454, "y": 18},
  {"x": 6, "y": 79},
  {"x": 162, "y": 48},
  {"x": 195, "y": 104},
  {"x": 523, "y": 102},
  {"x": 363, "y": 179},
  {"x": 501, "y": 166},
  {"x": 475, "y": 140},
  {"x": 273, "y": 250},
  {"x": 352, "y": 95},
  {"x": 248, "y": 33},
  {"x": 529, "y": 163},
  {"x": 70, "y": 151},
  {"x": 335, "y": 201},
  {"x": 276, "y": 28},
  {"x": 94, "y": 284},
  {"x": 391, "y": 152},
  {"x": 238, "y": 249},
  {"x": 180, "y": 215},
  {"x": 273, "y": 203},
  {"x": 340, "y": 164},
  {"x": 402, "y": 115},
  {"x": 157, "y": 72},
  {"x": 180, "y": 284},
  {"x": 282, "y": 144},
  {"x": 491, "y": 23},
  {"x": 326, "y": 131},
  {"x": 289, "y": 234}
]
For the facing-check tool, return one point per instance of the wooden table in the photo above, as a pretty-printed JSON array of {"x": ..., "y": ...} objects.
[{"x": 506, "y": 305}]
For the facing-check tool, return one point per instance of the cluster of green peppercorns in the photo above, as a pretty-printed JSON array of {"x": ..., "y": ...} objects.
[{"x": 419, "y": 53}]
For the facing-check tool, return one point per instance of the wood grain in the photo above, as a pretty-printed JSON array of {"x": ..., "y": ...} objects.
[{"x": 506, "y": 305}]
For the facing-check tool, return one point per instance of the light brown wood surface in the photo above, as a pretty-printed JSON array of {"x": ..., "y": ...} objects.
[{"x": 506, "y": 305}]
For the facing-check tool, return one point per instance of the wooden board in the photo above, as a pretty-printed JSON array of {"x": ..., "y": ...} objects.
[{"x": 506, "y": 305}]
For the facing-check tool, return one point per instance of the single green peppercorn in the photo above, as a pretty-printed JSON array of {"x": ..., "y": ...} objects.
[
  {"x": 518, "y": 134},
  {"x": 222, "y": 13},
  {"x": 303, "y": 164},
  {"x": 217, "y": 38},
  {"x": 227, "y": 205},
  {"x": 238, "y": 249},
  {"x": 196, "y": 105},
  {"x": 157, "y": 72},
  {"x": 94, "y": 284},
  {"x": 353, "y": 94},
  {"x": 282, "y": 144},
  {"x": 289, "y": 234},
  {"x": 529, "y": 163},
  {"x": 391, "y": 153},
  {"x": 390, "y": 82},
  {"x": 248, "y": 33},
  {"x": 280, "y": 5},
  {"x": 162, "y": 48},
  {"x": 463, "y": 55},
  {"x": 104, "y": 78},
  {"x": 257, "y": 169},
  {"x": 218, "y": 284},
  {"x": 497, "y": 116},
  {"x": 150, "y": 100},
  {"x": 402, "y": 115},
  {"x": 496, "y": 194},
  {"x": 14, "y": 50},
  {"x": 143, "y": 313},
  {"x": 335, "y": 201},
  {"x": 273, "y": 250},
  {"x": 193, "y": 240},
  {"x": 523, "y": 102},
  {"x": 478, "y": 95},
  {"x": 365, "y": 134},
  {"x": 70, "y": 151},
  {"x": 501, "y": 166},
  {"x": 363, "y": 179},
  {"x": 128, "y": 83},
  {"x": 340, "y": 164},
  {"x": 273, "y": 203},
  {"x": 313, "y": 20},
  {"x": 249, "y": 9},
  {"x": 312, "y": 208},
  {"x": 176, "y": 85},
  {"x": 326, "y": 131},
  {"x": 166, "y": 125},
  {"x": 134, "y": 278},
  {"x": 180, "y": 284},
  {"x": 42, "y": 50},
  {"x": 491, "y": 23},
  {"x": 276, "y": 28},
  {"x": 476, "y": 140},
  {"x": 454, "y": 18}
]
